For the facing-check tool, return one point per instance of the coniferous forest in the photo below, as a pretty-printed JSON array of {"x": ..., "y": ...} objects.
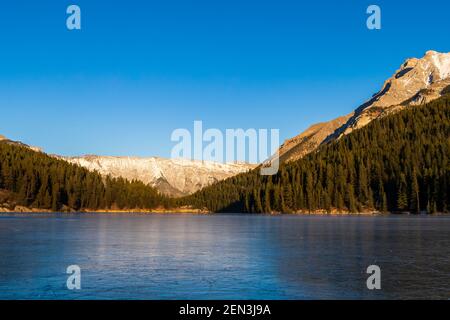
[
  {"x": 396, "y": 164},
  {"x": 39, "y": 181}
]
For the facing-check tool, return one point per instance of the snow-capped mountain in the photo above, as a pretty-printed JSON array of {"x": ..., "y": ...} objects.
[
  {"x": 174, "y": 177},
  {"x": 418, "y": 81}
]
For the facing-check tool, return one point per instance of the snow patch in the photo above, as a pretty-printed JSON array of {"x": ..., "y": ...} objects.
[{"x": 184, "y": 175}]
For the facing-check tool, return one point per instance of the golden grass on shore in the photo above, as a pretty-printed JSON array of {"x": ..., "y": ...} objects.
[{"x": 181, "y": 210}]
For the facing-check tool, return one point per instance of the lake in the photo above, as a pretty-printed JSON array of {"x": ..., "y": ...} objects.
[{"x": 137, "y": 256}]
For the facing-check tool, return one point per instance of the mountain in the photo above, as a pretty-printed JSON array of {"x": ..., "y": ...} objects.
[
  {"x": 397, "y": 163},
  {"x": 306, "y": 142},
  {"x": 172, "y": 177},
  {"x": 32, "y": 180},
  {"x": 416, "y": 82},
  {"x": 3, "y": 139}
]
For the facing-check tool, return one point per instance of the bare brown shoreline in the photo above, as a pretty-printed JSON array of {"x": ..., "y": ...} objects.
[
  {"x": 194, "y": 211},
  {"x": 20, "y": 209}
]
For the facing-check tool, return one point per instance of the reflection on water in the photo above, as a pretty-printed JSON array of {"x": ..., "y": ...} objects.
[{"x": 223, "y": 256}]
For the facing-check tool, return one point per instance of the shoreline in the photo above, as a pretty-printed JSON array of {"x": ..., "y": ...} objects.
[
  {"x": 20, "y": 209},
  {"x": 190, "y": 211}
]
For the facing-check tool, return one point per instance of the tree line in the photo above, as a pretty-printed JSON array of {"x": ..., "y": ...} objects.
[
  {"x": 39, "y": 181},
  {"x": 395, "y": 164},
  {"x": 398, "y": 163}
]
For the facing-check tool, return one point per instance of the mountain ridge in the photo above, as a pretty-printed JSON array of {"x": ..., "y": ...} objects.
[
  {"x": 416, "y": 82},
  {"x": 398, "y": 163},
  {"x": 172, "y": 177},
  {"x": 18, "y": 143},
  {"x": 307, "y": 141}
]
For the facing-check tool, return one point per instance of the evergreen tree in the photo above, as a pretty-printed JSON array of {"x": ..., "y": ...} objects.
[
  {"x": 396, "y": 163},
  {"x": 40, "y": 181}
]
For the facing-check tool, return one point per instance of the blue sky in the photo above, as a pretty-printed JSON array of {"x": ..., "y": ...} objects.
[{"x": 140, "y": 69}]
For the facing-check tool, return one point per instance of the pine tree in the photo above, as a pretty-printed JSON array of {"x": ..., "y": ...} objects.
[
  {"x": 415, "y": 201},
  {"x": 402, "y": 197}
]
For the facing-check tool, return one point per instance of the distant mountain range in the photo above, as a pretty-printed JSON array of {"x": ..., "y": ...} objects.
[
  {"x": 416, "y": 82},
  {"x": 171, "y": 177}
]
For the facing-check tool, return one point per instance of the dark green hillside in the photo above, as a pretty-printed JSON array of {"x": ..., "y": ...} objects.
[
  {"x": 399, "y": 163},
  {"x": 38, "y": 181}
]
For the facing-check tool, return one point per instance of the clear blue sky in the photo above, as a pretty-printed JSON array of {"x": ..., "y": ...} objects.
[{"x": 140, "y": 69}]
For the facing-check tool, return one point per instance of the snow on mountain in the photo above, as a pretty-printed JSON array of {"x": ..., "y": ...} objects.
[
  {"x": 174, "y": 177},
  {"x": 418, "y": 81}
]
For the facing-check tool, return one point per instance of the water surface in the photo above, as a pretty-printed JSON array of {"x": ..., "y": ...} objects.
[{"x": 223, "y": 256}]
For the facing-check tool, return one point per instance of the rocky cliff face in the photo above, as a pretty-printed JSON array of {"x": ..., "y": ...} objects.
[
  {"x": 306, "y": 142},
  {"x": 418, "y": 81},
  {"x": 173, "y": 177}
]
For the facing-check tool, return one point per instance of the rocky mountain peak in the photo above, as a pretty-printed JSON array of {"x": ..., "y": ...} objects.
[{"x": 417, "y": 81}]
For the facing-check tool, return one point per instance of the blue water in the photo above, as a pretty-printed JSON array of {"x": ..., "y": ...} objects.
[{"x": 223, "y": 256}]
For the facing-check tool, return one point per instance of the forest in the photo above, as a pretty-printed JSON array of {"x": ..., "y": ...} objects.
[
  {"x": 37, "y": 180},
  {"x": 399, "y": 163}
]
